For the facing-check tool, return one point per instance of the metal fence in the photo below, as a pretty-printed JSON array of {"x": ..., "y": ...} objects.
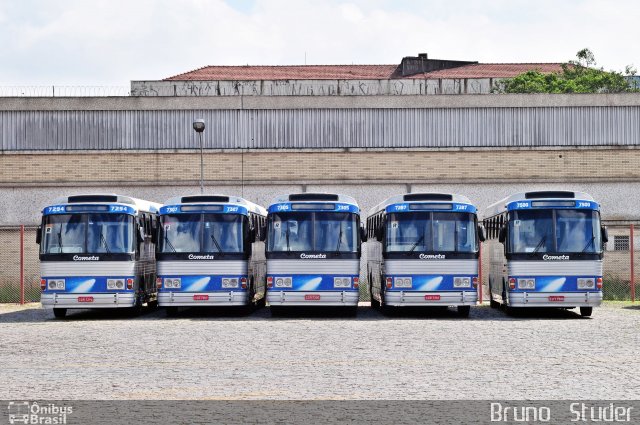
[
  {"x": 20, "y": 271},
  {"x": 20, "y": 267}
]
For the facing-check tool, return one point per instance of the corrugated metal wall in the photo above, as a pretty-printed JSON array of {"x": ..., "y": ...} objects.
[{"x": 321, "y": 128}]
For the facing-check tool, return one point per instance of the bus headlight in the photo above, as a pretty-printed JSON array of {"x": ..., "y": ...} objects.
[
  {"x": 56, "y": 284},
  {"x": 111, "y": 284},
  {"x": 231, "y": 282},
  {"x": 403, "y": 282},
  {"x": 283, "y": 282},
  {"x": 586, "y": 283},
  {"x": 173, "y": 283},
  {"x": 461, "y": 282},
  {"x": 342, "y": 282},
  {"x": 526, "y": 284}
]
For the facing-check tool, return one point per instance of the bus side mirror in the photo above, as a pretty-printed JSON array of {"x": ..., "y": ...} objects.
[
  {"x": 263, "y": 233},
  {"x": 39, "y": 235},
  {"x": 605, "y": 234},
  {"x": 363, "y": 234},
  {"x": 502, "y": 236},
  {"x": 482, "y": 235}
]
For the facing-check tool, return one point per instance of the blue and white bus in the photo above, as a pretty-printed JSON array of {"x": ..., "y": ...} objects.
[
  {"x": 96, "y": 251},
  {"x": 208, "y": 252},
  {"x": 551, "y": 252},
  {"x": 313, "y": 250},
  {"x": 423, "y": 251}
]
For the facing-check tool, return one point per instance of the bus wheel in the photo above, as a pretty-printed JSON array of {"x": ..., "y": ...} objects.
[
  {"x": 463, "y": 310},
  {"x": 172, "y": 311},
  {"x": 60, "y": 313},
  {"x": 586, "y": 311}
]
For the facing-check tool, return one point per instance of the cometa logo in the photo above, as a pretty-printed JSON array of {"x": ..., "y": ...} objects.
[
  {"x": 555, "y": 257},
  {"x": 201, "y": 257},
  {"x": 432, "y": 256},
  {"x": 313, "y": 256},
  {"x": 91, "y": 258}
]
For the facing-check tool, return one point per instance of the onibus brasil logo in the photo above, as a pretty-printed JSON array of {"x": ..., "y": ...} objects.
[{"x": 25, "y": 412}]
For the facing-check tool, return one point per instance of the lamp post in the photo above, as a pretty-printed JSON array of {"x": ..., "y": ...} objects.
[{"x": 198, "y": 126}]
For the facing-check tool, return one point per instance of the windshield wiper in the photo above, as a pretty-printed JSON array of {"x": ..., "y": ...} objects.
[
  {"x": 103, "y": 241},
  {"x": 287, "y": 237},
  {"x": 593, "y": 238},
  {"x": 540, "y": 245},
  {"x": 339, "y": 242},
  {"x": 169, "y": 244},
  {"x": 415, "y": 245},
  {"x": 60, "y": 239},
  {"x": 215, "y": 241}
]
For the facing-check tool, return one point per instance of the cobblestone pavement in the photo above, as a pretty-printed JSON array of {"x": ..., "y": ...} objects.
[{"x": 545, "y": 354}]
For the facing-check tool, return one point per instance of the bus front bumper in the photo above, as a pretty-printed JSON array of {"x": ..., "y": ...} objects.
[
  {"x": 192, "y": 299},
  {"x": 555, "y": 299},
  {"x": 421, "y": 298},
  {"x": 319, "y": 298},
  {"x": 66, "y": 300}
]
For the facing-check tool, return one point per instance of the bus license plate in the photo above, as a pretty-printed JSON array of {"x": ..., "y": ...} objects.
[
  {"x": 201, "y": 297},
  {"x": 556, "y": 298},
  {"x": 85, "y": 299},
  {"x": 312, "y": 297},
  {"x": 432, "y": 297}
]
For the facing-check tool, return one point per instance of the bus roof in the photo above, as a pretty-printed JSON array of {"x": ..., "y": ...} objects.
[
  {"x": 217, "y": 199},
  {"x": 432, "y": 197},
  {"x": 314, "y": 197},
  {"x": 108, "y": 198},
  {"x": 548, "y": 195}
]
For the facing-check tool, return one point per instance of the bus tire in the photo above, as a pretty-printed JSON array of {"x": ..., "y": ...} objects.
[
  {"x": 172, "y": 311},
  {"x": 60, "y": 313},
  {"x": 464, "y": 310},
  {"x": 586, "y": 311}
]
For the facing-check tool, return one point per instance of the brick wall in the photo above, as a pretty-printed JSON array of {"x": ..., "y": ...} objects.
[{"x": 301, "y": 166}]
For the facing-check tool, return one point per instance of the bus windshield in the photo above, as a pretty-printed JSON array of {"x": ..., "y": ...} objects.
[
  {"x": 431, "y": 232},
  {"x": 558, "y": 231},
  {"x": 201, "y": 233},
  {"x": 313, "y": 231},
  {"x": 90, "y": 233}
]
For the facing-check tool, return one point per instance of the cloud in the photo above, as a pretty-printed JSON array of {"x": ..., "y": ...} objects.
[{"x": 112, "y": 42}]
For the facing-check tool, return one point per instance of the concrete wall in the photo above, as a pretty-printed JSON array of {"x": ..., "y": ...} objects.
[
  {"x": 395, "y": 87},
  {"x": 22, "y": 205}
]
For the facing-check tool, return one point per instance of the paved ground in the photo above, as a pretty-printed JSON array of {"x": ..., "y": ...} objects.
[{"x": 201, "y": 355}]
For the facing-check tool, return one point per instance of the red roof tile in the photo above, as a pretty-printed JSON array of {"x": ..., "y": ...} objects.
[
  {"x": 356, "y": 72},
  {"x": 491, "y": 70},
  {"x": 289, "y": 72}
]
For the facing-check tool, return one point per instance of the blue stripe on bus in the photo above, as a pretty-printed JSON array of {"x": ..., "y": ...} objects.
[
  {"x": 311, "y": 282},
  {"x": 339, "y": 207},
  {"x": 432, "y": 282},
  {"x": 202, "y": 283},
  {"x": 455, "y": 207},
  {"x": 228, "y": 209},
  {"x": 554, "y": 284},
  {"x": 579, "y": 204},
  {"x": 87, "y": 284},
  {"x": 113, "y": 209}
]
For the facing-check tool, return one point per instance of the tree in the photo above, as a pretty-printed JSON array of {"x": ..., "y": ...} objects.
[{"x": 577, "y": 76}]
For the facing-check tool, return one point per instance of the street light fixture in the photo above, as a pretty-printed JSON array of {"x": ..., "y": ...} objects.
[{"x": 198, "y": 126}]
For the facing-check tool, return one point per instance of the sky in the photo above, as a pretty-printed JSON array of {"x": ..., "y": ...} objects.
[{"x": 111, "y": 42}]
